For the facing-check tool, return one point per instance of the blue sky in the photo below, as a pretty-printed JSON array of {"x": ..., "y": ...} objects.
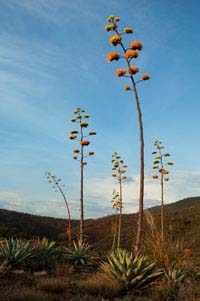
[{"x": 52, "y": 57}]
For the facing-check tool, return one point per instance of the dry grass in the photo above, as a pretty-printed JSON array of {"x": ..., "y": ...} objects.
[
  {"x": 52, "y": 285},
  {"x": 101, "y": 284},
  {"x": 30, "y": 296}
]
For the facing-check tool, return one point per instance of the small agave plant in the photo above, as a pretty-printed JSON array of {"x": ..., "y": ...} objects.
[
  {"x": 12, "y": 252},
  {"x": 132, "y": 272},
  {"x": 80, "y": 254},
  {"x": 175, "y": 276}
]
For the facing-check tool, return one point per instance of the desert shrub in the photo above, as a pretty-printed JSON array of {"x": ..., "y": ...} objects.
[
  {"x": 13, "y": 252},
  {"x": 132, "y": 272},
  {"x": 80, "y": 254},
  {"x": 102, "y": 285},
  {"x": 52, "y": 285},
  {"x": 31, "y": 296}
]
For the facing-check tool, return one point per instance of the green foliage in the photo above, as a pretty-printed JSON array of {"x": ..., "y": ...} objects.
[
  {"x": 132, "y": 272},
  {"x": 174, "y": 276},
  {"x": 52, "y": 285},
  {"x": 45, "y": 256},
  {"x": 80, "y": 254},
  {"x": 13, "y": 252}
]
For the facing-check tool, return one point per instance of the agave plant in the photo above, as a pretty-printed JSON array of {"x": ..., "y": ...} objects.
[
  {"x": 12, "y": 252},
  {"x": 80, "y": 254},
  {"x": 174, "y": 276},
  {"x": 132, "y": 272},
  {"x": 45, "y": 255}
]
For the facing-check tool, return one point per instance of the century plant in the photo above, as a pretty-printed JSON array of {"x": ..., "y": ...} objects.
[
  {"x": 13, "y": 252},
  {"x": 133, "y": 272},
  {"x": 119, "y": 168},
  {"x": 58, "y": 187},
  {"x": 80, "y": 154},
  {"x": 161, "y": 161},
  {"x": 80, "y": 254},
  {"x": 129, "y": 54}
]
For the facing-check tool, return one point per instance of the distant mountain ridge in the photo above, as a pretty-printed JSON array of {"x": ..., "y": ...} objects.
[{"x": 183, "y": 216}]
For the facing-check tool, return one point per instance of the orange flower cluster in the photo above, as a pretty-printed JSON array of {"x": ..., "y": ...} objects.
[
  {"x": 91, "y": 153},
  {"x": 164, "y": 171},
  {"x": 113, "y": 56},
  {"x": 75, "y": 157},
  {"x": 187, "y": 252},
  {"x": 133, "y": 70},
  {"x": 74, "y": 132},
  {"x": 120, "y": 72},
  {"x": 166, "y": 179},
  {"x": 154, "y": 177},
  {"x": 122, "y": 170},
  {"x": 76, "y": 151},
  {"x": 110, "y": 27},
  {"x": 114, "y": 175},
  {"x": 145, "y": 76},
  {"x": 115, "y": 40},
  {"x": 131, "y": 54},
  {"x": 136, "y": 45},
  {"x": 84, "y": 142},
  {"x": 128, "y": 30},
  {"x": 127, "y": 88}
]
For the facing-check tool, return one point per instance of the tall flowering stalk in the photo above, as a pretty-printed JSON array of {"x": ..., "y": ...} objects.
[
  {"x": 80, "y": 154},
  {"x": 159, "y": 164},
  {"x": 128, "y": 55},
  {"x": 119, "y": 167},
  {"x": 58, "y": 187},
  {"x": 116, "y": 206}
]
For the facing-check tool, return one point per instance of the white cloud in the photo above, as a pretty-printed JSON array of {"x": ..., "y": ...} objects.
[{"x": 98, "y": 193}]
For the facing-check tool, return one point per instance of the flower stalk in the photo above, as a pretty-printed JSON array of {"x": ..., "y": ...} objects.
[
  {"x": 128, "y": 55},
  {"x": 79, "y": 135}
]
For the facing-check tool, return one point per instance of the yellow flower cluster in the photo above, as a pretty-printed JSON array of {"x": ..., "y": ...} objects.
[
  {"x": 110, "y": 27},
  {"x": 120, "y": 72},
  {"x": 92, "y": 133},
  {"x": 136, "y": 45},
  {"x": 83, "y": 124},
  {"x": 115, "y": 40},
  {"x": 113, "y": 56},
  {"x": 131, "y": 54},
  {"x": 128, "y": 30},
  {"x": 145, "y": 76},
  {"x": 72, "y": 137},
  {"x": 133, "y": 70},
  {"x": 74, "y": 132}
]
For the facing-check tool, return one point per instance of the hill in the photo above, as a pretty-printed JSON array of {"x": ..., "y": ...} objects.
[{"x": 183, "y": 217}]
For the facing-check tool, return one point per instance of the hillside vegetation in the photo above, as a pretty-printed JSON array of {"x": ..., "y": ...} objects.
[{"x": 182, "y": 219}]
